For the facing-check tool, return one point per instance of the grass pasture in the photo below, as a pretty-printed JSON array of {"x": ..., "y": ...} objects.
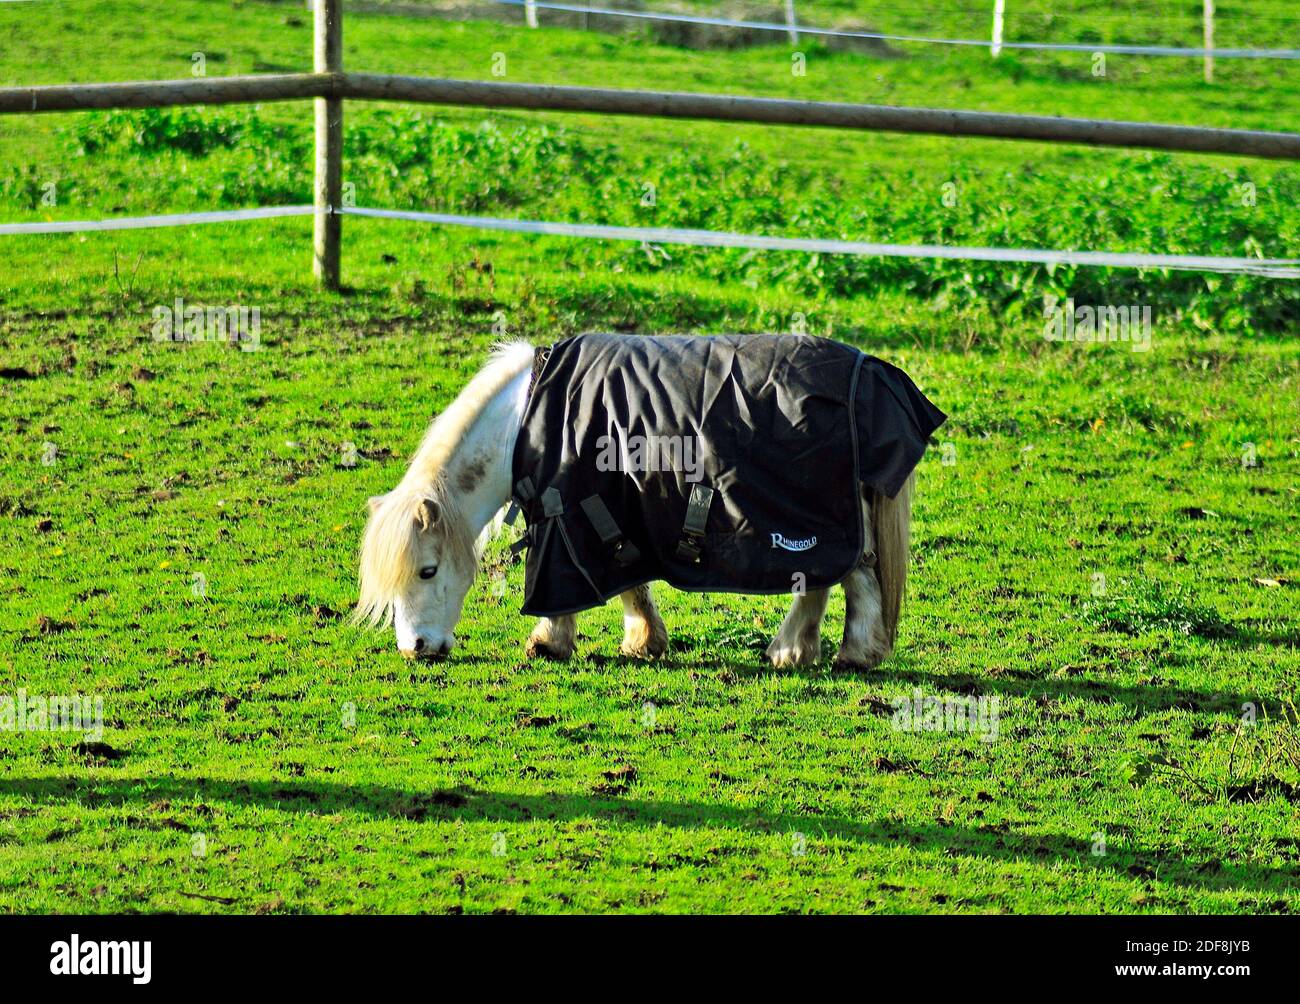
[{"x": 1105, "y": 539}]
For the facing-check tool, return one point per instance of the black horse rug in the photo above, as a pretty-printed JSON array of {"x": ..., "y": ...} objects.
[{"x": 721, "y": 464}]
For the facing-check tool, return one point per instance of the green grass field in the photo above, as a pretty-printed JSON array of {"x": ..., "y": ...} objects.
[{"x": 1105, "y": 540}]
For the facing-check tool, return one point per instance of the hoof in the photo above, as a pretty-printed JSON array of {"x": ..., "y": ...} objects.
[
  {"x": 539, "y": 649},
  {"x": 786, "y": 656},
  {"x": 644, "y": 640},
  {"x": 651, "y": 649},
  {"x": 848, "y": 661}
]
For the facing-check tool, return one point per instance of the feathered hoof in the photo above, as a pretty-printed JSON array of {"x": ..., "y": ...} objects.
[
  {"x": 850, "y": 661},
  {"x": 541, "y": 648},
  {"x": 645, "y": 640},
  {"x": 783, "y": 655}
]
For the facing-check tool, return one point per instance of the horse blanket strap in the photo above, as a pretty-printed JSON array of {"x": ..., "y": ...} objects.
[
  {"x": 611, "y": 536},
  {"x": 697, "y": 517},
  {"x": 730, "y": 463},
  {"x": 523, "y": 493}
]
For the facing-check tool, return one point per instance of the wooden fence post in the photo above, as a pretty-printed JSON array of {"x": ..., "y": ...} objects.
[
  {"x": 328, "y": 192},
  {"x": 999, "y": 8}
]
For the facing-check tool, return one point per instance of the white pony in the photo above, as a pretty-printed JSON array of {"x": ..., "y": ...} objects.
[{"x": 419, "y": 554}]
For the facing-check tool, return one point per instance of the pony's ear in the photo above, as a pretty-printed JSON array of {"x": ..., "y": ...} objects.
[
  {"x": 375, "y": 501},
  {"x": 427, "y": 513}
]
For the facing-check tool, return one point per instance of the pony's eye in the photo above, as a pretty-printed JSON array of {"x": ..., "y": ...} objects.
[{"x": 428, "y": 571}]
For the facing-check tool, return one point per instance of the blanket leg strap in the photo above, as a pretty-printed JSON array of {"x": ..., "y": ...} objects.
[
  {"x": 523, "y": 494},
  {"x": 552, "y": 504},
  {"x": 625, "y": 552},
  {"x": 691, "y": 546}
]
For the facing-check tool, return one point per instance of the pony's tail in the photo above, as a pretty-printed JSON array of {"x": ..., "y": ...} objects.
[{"x": 892, "y": 519}]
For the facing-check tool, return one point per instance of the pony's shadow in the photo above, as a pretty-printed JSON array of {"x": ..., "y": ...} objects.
[
  {"x": 1144, "y": 699},
  {"x": 470, "y": 805}
]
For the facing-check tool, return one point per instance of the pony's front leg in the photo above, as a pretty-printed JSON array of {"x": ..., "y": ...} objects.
[
  {"x": 866, "y": 644},
  {"x": 554, "y": 638},
  {"x": 798, "y": 641},
  {"x": 645, "y": 635}
]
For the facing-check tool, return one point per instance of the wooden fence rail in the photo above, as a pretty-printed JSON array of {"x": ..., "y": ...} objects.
[
  {"x": 658, "y": 104},
  {"x": 329, "y": 86},
  {"x": 780, "y": 111}
]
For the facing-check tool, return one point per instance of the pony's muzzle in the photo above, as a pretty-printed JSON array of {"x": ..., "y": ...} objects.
[{"x": 425, "y": 649}]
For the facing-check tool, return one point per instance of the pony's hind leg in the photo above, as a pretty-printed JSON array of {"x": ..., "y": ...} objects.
[
  {"x": 554, "y": 638},
  {"x": 644, "y": 634},
  {"x": 798, "y": 641},
  {"x": 873, "y": 592},
  {"x": 865, "y": 644}
]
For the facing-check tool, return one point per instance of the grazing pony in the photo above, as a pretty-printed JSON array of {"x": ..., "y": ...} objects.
[{"x": 420, "y": 550}]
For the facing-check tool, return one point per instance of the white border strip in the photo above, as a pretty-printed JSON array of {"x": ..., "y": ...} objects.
[
  {"x": 1278, "y": 268},
  {"x": 146, "y": 222},
  {"x": 1130, "y": 50}
]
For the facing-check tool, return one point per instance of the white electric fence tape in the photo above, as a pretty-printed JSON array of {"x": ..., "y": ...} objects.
[
  {"x": 1281, "y": 268},
  {"x": 1278, "y": 268},
  {"x": 1130, "y": 50},
  {"x": 147, "y": 222}
]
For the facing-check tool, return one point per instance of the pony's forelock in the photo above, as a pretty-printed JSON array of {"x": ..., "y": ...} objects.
[
  {"x": 389, "y": 551},
  {"x": 390, "y": 547}
]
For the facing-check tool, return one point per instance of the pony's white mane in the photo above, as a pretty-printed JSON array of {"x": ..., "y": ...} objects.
[{"x": 423, "y": 500}]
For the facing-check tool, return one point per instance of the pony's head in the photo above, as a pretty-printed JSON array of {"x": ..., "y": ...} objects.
[
  {"x": 417, "y": 563},
  {"x": 418, "y": 555}
]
